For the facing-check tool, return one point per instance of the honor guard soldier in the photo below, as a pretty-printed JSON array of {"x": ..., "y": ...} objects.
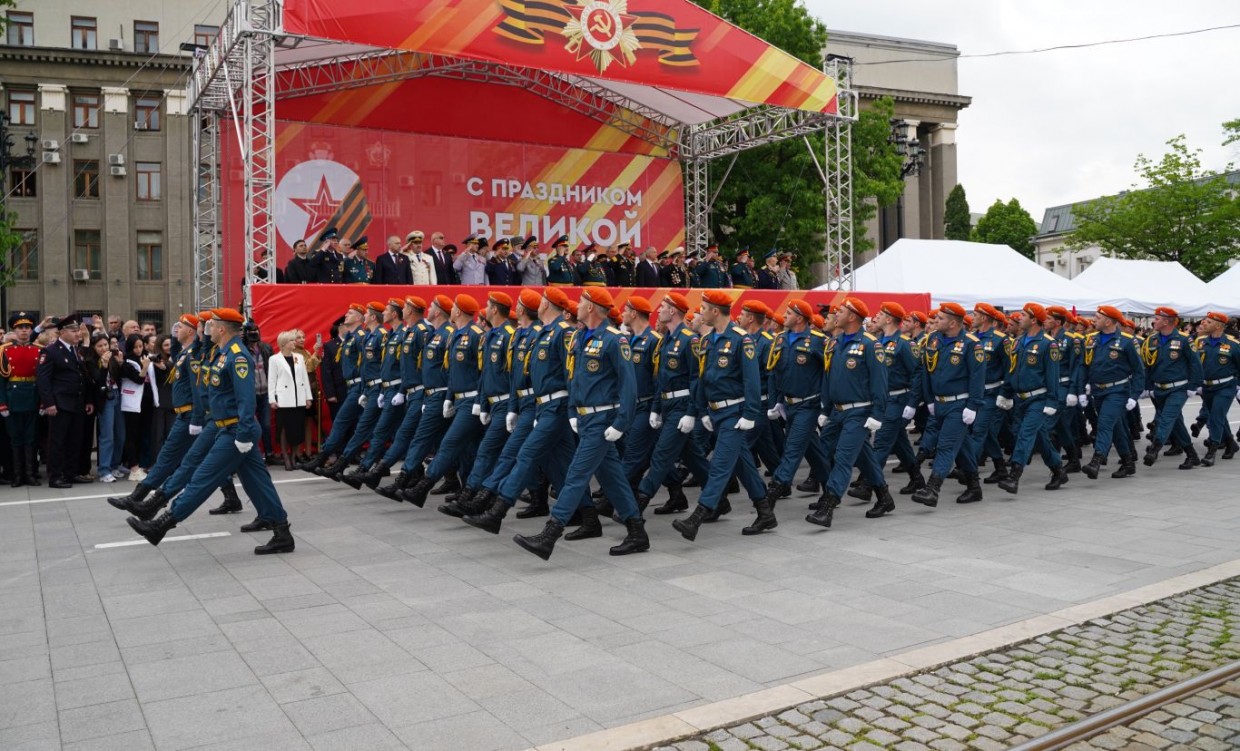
[
  {"x": 710, "y": 272},
  {"x": 350, "y": 357},
  {"x": 742, "y": 273},
  {"x": 327, "y": 261},
  {"x": 358, "y": 269},
  {"x": 1034, "y": 392},
  {"x": 1115, "y": 376},
  {"x": 1220, "y": 359},
  {"x": 391, "y": 413},
  {"x": 232, "y": 404},
  {"x": 1173, "y": 372},
  {"x": 559, "y": 268},
  {"x": 60, "y": 378},
  {"x": 19, "y": 399},
  {"x": 373, "y": 345}
]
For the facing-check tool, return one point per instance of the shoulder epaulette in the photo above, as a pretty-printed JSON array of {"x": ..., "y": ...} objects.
[
  {"x": 508, "y": 327},
  {"x": 615, "y": 330},
  {"x": 906, "y": 337},
  {"x": 657, "y": 336},
  {"x": 817, "y": 333},
  {"x": 235, "y": 348},
  {"x": 475, "y": 328},
  {"x": 1200, "y": 339},
  {"x": 1233, "y": 339},
  {"x": 449, "y": 329},
  {"x": 565, "y": 325},
  {"x": 1091, "y": 335},
  {"x": 740, "y": 331},
  {"x": 971, "y": 338},
  {"x": 687, "y": 331},
  {"x": 870, "y": 336},
  {"x": 768, "y": 335},
  {"x": 537, "y": 326},
  {"x": 1126, "y": 335}
]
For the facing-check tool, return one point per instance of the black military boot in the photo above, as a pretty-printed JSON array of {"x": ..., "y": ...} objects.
[
  {"x": 776, "y": 490},
  {"x": 1095, "y": 465},
  {"x": 928, "y": 494},
  {"x": 418, "y": 493},
  {"x": 258, "y": 525},
  {"x": 603, "y": 506},
  {"x": 635, "y": 541},
  {"x": 824, "y": 512},
  {"x": 310, "y": 465},
  {"x": 766, "y": 517},
  {"x": 377, "y": 472},
  {"x": 688, "y": 526},
  {"x": 281, "y": 541},
  {"x": 808, "y": 485},
  {"x": 973, "y": 490},
  {"x": 451, "y": 483},
  {"x": 1059, "y": 477},
  {"x": 397, "y": 483},
  {"x": 1073, "y": 465},
  {"x": 916, "y": 481},
  {"x": 884, "y": 504},
  {"x": 676, "y": 501},
  {"x": 1127, "y": 467},
  {"x": 1000, "y": 473},
  {"x": 1211, "y": 450},
  {"x": 543, "y": 543},
  {"x": 232, "y": 501},
  {"x": 1012, "y": 482},
  {"x": 32, "y": 467},
  {"x": 1174, "y": 450},
  {"x": 1151, "y": 453},
  {"x": 589, "y": 527},
  {"x": 862, "y": 492},
  {"x": 539, "y": 505},
  {"x": 155, "y": 529},
  {"x": 355, "y": 478},
  {"x": 126, "y": 502},
  {"x": 723, "y": 509},
  {"x": 18, "y": 469},
  {"x": 147, "y": 509},
  {"x": 491, "y": 519},
  {"x": 336, "y": 471},
  {"x": 460, "y": 503},
  {"x": 1229, "y": 446},
  {"x": 1191, "y": 459},
  {"x": 1197, "y": 425}
]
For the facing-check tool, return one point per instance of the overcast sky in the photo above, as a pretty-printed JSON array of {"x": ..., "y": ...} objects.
[{"x": 1058, "y": 127}]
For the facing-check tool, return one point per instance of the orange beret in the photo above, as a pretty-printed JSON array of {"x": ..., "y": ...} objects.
[
  {"x": 467, "y": 304},
  {"x": 357, "y": 307},
  {"x": 376, "y": 306},
  {"x": 444, "y": 303},
  {"x": 501, "y": 298},
  {"x": 396, "y": 302},
  {"x": 921, "y": 317},
  {"x": 968, "y": 320},
  {"x": 556, "y": 297},
  {"x": 819, "y": 321},
  {"x": 718, "y": 298},
  {"x": 640, "y": 304},
  {"x": 227, "y": 314},
  {"x": 1127, "y": 323},
  {"x": 417, "y": 302},
  {"x": 189, "y": 319},
  {"x": 803, "y": 309},
  {"x": 777, "y": 318},
  {"x": 512, "y": 314},
  {"x": 1035, "y": 310},
  {"x": 678, "y": 301},
  {"x": 857, "y": 306},
  {"x": 893, "y": 309},
  {"x": 1112, "y": 312},
  {"x": 530, "y": 300},
  {"x": 1166, "y": 312},
  {"x": 1059, "y": 312},
  {"x": 989, "y": 311},
  {"x": 689, "y": 318},
  {"x": 952, "y": 309},
  {"x": 757, "y": 307},
  {"x": 1220, "y": 317},
  {"x": 614, "y": 316},
  {"x": 204, "y": 316},
  {"x": 599, "y": 296},
  {"x": 572, "y": 308}
]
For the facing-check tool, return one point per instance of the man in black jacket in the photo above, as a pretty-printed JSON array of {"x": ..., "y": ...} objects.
[
  {"x": 334, "y": 388},
  {"x": 648, "y": 270},
  {"x": 328, "y": 261},
  {"x": 299, "y": 270},
  {"x": 60, "y": 378},
  {"x": 392, "y": 267}
]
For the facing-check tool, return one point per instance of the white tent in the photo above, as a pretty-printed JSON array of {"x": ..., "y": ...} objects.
[
  {"x": 968, "y": 273},
  {"x": 1136, "y": 286},
  {"x": 1225, "y": 291}
]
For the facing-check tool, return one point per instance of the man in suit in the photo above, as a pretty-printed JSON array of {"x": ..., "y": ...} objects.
[
  {"x": 648, "y": 270},
  {"x": 299, "y": 270},
  {"x": 443, "y": 261},
  {"x": 60, "y": 377},
  {"x": 392, "y": 267},
  {"x": 328, "y": 261}
]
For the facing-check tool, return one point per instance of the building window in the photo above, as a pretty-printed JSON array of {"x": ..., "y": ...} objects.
[
  {"x": 150, "y": 256},
  {"x": 85, "y": 178},
  {"x": 21, "y": 107},
  {"x": 21, "y": 29},
  {"x": 146, "y": 37},
  {"x": 1052, "y": 224},
  {"x": 26, "y": 256},
  {"x": 83, "y": 33},
  {"x": 204, "y": 35},
  {"x": 88, "y": 252},
  {"x": 1049, "y": 264},
  {"x": 23, "y": 182},
  {"x": 85, "y": 110},
  {"x": 148, "y": 181},
  {"x": 147, "y": 109},
  {"x": 151, "y": 316}
]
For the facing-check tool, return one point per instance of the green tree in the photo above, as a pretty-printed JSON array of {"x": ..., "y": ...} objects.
[
  {"x": 957, "y": 225},
  {"x": 1231, "y": 130},
  {"x": 1007, "y": 224},
  {"x": 877, "y": 168},
  {"x": 10, "y": 241},
  {"x": 1182, "y": 212}
]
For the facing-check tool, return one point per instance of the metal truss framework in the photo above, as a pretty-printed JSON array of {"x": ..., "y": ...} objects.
[{"x": 236, "y": 80}]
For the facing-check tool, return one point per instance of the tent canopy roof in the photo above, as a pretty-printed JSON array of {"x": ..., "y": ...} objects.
[{"x": 1139, "y": 286}]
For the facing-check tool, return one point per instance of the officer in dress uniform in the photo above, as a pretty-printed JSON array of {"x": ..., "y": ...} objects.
[
  {"x": 559, "y": 268},
  {"x": 349, "y": 357},
  {"x": 625, "y": 267},
  {"x": 1034, "y": 392},
  {"x": 590, "y": 270},
  {"x": 19, "y": 398},
  {"x": 1174, "y": 372},
  {"x": 390, "y": 414},
  {"x": 1116, "y": 377},
  {"x": 673, "y": 274},
  {"x": 60, "y": 378},
  {"x": 1220, "y": 360},
  {"x": 327, "y": 261},
  {"x": 358, "y": 269},
  {"x": 232, "y": 404},
  {"x": 768, "y": 275},
  {"x": 741, "y": 273},
  {"x": 373, "y": 344},
  {"x": 710, "y": 273}
]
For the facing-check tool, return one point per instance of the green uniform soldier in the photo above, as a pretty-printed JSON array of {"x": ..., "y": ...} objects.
[
  {"x": 559, "y": 268},
  {"x": 358, "y": 269}
]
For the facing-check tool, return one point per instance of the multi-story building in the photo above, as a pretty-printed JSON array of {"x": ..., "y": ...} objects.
[{"x": 106, "y": 209}]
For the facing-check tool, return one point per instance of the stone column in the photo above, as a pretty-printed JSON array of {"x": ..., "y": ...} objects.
[
  {"x": 55, "y": 184},
  {"x": 943, "y": 176}
]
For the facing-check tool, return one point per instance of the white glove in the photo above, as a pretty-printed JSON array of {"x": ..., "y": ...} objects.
[
  {"x": 1049, "y": 411},
  {"x": 1130, "y": 405},
  {"x": 783, "y": 411},
  {"x": 909, "y": 413},
  {"x": 4, "y": 412},
  {"x": 195, "y": 429},
  {"x": 1088, "y": 390},
  {"x": 968, "y": 416},
  {"x": 572, "y": 423},
  {"x": 930, "y": 408},
  {"x": 611, "y": 435},
  {"x": 1083, "y": 399},
  {"x": 1072, "y": 401},
  {"x": 381, "y": 401},
  {"x": 773, "y": 413},
  {"x": 510, "y": 421},
  {"x": 361, "y": 401},
  {"x": 872, "y": 425},
  {"x": 1194, "y": 392},
  {"x": 476, "y": 409},
  {"x": 656, "y": 420},
  {"x": 484, "y": 418},
  {"x": 535, "y": 423},
  {"x": 398, "y": 398},
  {"x": 244, "y": 448},
  {"x": 1144, "y": 395},
  {"x": 706, "y": 423},
  {"x": 449, "y": 409},
  {"x": 1004, "y": 403},
  {"x": 422, "y": 409},
  {"x": 744, "y": 424},
  {"x": 822, "y": 421},
  {"x": 686, "y": 424}
]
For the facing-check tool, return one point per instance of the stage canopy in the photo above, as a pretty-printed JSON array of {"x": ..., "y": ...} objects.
[
  {"x": 969, "y": 273},
  {"x": 1138, "y": 286},
  {"x": 1225, "y": 291}
]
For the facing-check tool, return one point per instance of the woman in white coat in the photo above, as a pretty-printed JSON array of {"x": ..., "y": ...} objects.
[{"x": 288, "y": 392}]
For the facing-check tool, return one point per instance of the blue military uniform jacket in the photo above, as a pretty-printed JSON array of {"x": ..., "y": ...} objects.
[
  {"x": 1112, "y": 362},
  {"x": 373, "y": 346},
  {"x": 549, "y": 358},
  {"x": 465, "y": 359},
  {"x": 602, "y": 374},
  {"x": 953, "y": 367},
  {"x": 1071, "y": 349},
  {"x": 520, "y": 348},
  {"x": 350, "y": 355},
  {"x": 1034, "y": 363},
  {"x": 796, "y": 364},
  {"x": 742, "y": 276},
  {"x": 358, "y": 270},
  {"x": 710, "y": 275},
  {"x": 645, "y": 349},
  {"x": 903, "y": 370},
  {"x": 435, "y": 358},
  {"x": 231, "y": 392},
  {"x": 496, "y": 383},
  {"x": 677, "y": 367},
  {"x": 995, "y": 346},
  {"x": 730, "y": 370},
  {"x": 389, "y": 370},
  {"x": 855, "y": 373},
  {"x": 1220, "y": 362},
  {"x": 184, "y": 374},
  {"x": 414, "y": 341},
  {"x": 1171, "y": 363},
  {"x": 559, "y": 270}
]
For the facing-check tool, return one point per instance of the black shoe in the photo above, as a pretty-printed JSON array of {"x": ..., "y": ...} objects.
[
  {"x": 1173, "y": 451},
  {"x": 766, "y": 517},
  {"x": 280, "y": 542},
  {"x": 459, "y": 502},
  {"x": 59, "y": 484},
  {"x": 1196, "y": 427},
  {"x": 1072, "y": 466},
  {"x": 536, "y": 508},
  {"x": 1091, "y": 470},
  {"x": 688, "y": 527},
  {"x": 973, "y": 490},
  {"x": 915, "y": 481},
  {"x": 723, "y": 509},
  {"x": 376, "y": 475},
  {"x": 884, "y": 505},
  {"x": 87, "y": 479},
  {"x": 635, "y": 541},
  {"x": 1059, "y": 477},
  {"x": 491, "y": 519},
  {"x": 928, "y": 495},
  {"x": 776, "y": 490},
  {"x": 336, "y": 471},
  {"x": 355, "y": 478},
  {"x": 862, "y": 492},
  {"x": 808, "y": 485},
  {"x": 232, "y": 501},
  {"x": 1000, "y": 473},
  {"x": 1191, "y": 459},
  {"x": 676, "y": 503},
  {"x": 1127, "y": 467},
  {"x": 450, "y": 484},
  {"x": 258, "y": 525},
  {"x": 392, "y": 488},
  {"x": 310, "y": 465},
  {"x": 1011, "y": 483},
  {"x": 543, "y": 543},
  {"x": 1229, "y": 447},
  {"x": 126, "y": 502},
  {"x": 147, "y": 509},
  {"x": 19, "y": 471},
  {"x": 1211, "y": 451},
  {"x": 418, "y": 493},
  {"x": 1151, "y": 453},
  {"x": 155, "y": 529},
  {"x": 824, "y": 512},
  {"x": 32, "y": 467},
  {"x": 590, "y": 525}
]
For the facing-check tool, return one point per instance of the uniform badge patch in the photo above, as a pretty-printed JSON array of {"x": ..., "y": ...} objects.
[
  {"x": 749, "y": 350},
  {"x": 802, "y": 359},
  {"x": 956, "y": 359},
  {"x": 1114, "y": 355},
  {"x": 673, "y": 363},
  {"x": 625, "y": 352},
  {"x": 723, "y": 362},
  {"x": 542, "y": 354},
  {"x": 592, "y": 366},
  {"x": 637, "y": 357},
  {"x": 494, "y": 357},
  {"x": 1056, "y": 354},
  {"x": 1031, "y": 360},
  {"x": 460, "y": 356},
  {"x": 850, "y": 363},
  {"x": 242, "y": 369},
  {"x": 980, "y": 356}
]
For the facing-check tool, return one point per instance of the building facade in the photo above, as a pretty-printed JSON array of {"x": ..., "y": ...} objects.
[{"x": 106, "y": 209}]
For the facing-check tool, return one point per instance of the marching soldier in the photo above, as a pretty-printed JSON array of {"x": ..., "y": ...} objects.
[
  {"x": 1070, "y": 349},
  {"x": 640, "y": 438},
  {"x": 1220, "y": 359},
  {"x": 1115, "y": 376},
  {"x": 373, "y": 344},
  {"x": 349, "y": 356},
  {"x": 1174, "y": 372},
  {"x": 19, "y": 398},
  {"x": 391, "y": 412},
  {"x": 984, "y": 438}
]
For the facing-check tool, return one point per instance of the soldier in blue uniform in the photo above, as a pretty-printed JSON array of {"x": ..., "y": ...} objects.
[
  {"x": 374, "y": 343},
  {"x": 1071, "y": 349},
  {"x": 232, "y": 410},
  {"x": 1115, "y": 377},
  {"x": 854, "y": 391},
  {"x": 953, "y": 386},
  {"x": 741, "y": 273},
  {"x": 19, "y": 399},
  {"x": 710, "y": 273},
  {"x": 1220, "y": 360},
  {"x": 358, "y": 269},
  {"x": 1033, "y": 389},
  {"x": 1174, "y": 372},
  {"x": 350, "y": 357},
  {"x": 729, "y": 398},
  {"x": 391, "y": 411},
  {"x": 601, "y": 404},
  {"x": 984, "y": 435},
  {"x": 327, "y": 261},
  {"x": 640, "y": 438},
  {"x": 559, "y": 267},
  {"x": 762, "y": 438}
]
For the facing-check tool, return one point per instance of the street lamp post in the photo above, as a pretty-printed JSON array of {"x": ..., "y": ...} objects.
[
  {"x": 914, "y": 159},
  {"x": 9, "y": 160}
]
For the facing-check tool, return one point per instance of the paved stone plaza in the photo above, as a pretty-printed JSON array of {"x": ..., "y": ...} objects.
[{"x": 396, "y": 627}]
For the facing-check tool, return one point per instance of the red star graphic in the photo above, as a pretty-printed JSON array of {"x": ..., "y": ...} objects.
[{"x": 321, "y": 208}]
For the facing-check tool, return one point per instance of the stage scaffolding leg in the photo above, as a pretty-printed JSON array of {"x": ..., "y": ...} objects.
[
  {"x": 697, "y": 208},
  {"x": 206, "y": 210},
  {"x": 259, "y": 151},
  {"x": 838, "y": 254}
]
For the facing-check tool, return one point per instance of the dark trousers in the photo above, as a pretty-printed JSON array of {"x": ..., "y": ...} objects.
[{"x": 64, "y": 430}]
